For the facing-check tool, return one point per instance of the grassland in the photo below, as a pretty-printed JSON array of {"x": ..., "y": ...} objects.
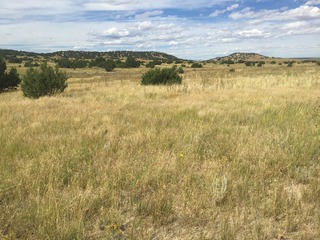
[{"x": 225, "y": 155}]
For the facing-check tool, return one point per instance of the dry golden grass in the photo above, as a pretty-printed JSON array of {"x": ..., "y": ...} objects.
[{"x": 226, "y": 155}]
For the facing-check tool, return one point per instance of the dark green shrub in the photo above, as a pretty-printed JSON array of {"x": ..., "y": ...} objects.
[
  {"x": 44, "y": 81},
  {"x": 120, "y": 64},
  {"x": 229, "y": 61},
  {"x": 180, "y": 70},
  {"x": 250, "y": 64},
  {"x": 196, "y": 65},
  {"x": 98, "y": 62},
  {"x": 14, "y": 59},
  {"x": 109, "y": 65},
  {"x": 150, "y": 65},
  {"x": 131, "y": 62},
  {"x": 8, "y": 80},
  {"x": 31, "y": 64},
  {"x": 163, "y": 76},
  {"x": 67, "y": 63}
]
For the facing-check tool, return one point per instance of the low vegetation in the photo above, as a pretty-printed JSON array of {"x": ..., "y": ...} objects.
[
  {"x": 196, "y": 65},
  {"x": 45, "y": 81},
  {"x": 224, "y": 155},
  {"x": 165, "y": 76},
  {"x": 8, "y": 80}
]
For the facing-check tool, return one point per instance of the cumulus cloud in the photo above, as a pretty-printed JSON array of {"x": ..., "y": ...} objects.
[
  {"x": 253, "y": 33},
  {"x": 171, "y": 43},
  {"x": 146, "y": 25},
  {"x": 115, "y": 33},
  {"x": 300, "y": 28}
]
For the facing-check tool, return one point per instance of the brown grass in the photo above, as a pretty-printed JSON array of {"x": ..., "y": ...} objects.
[{"x": 225, "y": 155}]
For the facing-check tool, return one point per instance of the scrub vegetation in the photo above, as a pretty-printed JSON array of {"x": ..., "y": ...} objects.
[{"x": 223, "y": 155}]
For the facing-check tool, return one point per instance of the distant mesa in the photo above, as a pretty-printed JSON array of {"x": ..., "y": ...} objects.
[
  {"x": 240, "y": 56},
  {"x": 147, "y": 55}
]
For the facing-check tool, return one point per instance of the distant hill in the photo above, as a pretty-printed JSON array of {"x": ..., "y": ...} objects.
[
  {"x": 238, "y": 56},
  {"x": 5, "y": 53}
]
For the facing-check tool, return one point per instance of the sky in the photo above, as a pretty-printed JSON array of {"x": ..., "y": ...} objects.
[{"x": 188, "y": 29}]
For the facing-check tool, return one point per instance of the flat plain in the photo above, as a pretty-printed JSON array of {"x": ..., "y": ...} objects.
[{"x": 225, "y": 155}]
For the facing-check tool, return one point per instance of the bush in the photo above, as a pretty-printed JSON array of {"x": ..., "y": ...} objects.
[
  {"x": 131, "y": 62},
  {"x": 8, "y": 80},
  {"x": 229, "y": 61},
  {"x": 180, "y": 70},
  {"x": 150, "y": 65},
  {"x": 163, "y": 76},
  {"x": 31, "y": 64},
  {"x": 250, "y": 64},
  {"x": 44, "y": 81},
  {"x": 196, "y": 65},
  {"x": 67, "y": 63},
  {"x": 109, "y": 65}
]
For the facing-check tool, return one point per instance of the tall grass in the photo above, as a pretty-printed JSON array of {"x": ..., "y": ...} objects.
[{"x": 223, "y": 156}]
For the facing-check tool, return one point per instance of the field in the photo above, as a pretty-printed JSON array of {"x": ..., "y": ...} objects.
[{"x": 225, "y": 155}]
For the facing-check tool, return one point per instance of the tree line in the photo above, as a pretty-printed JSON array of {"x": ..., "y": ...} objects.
[{"x": 107, "y": 64}]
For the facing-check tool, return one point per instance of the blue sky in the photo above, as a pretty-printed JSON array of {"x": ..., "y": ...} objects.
[{"x": 188, "y": 29}]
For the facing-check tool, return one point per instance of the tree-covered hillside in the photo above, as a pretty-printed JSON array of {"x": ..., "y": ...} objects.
[{"x": 23, "y": 55}]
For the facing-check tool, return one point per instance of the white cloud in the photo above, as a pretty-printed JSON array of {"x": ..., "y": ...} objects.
[
  {"x": 146, "y": 25},
  {"x": 230, "y": 40},
  {"x": 313, "y": 2},
  {"x": 149, "y": 14},
  {"x": 253, "y": 33},
  {"x": 16, "y": 9},
  {"x": 296, "y": 25},
  {"x": 123, "y": 5},
  {"x": 115, "y": 33},
  {"x": 173, "y": 43},
  {"x": 216, "y": 13},
  {"x": 303, "y": 12},
  {"x": 232, "y": 7},
  {"x": 300, "y": 28},
  {"x": 228, "y": 9}
]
